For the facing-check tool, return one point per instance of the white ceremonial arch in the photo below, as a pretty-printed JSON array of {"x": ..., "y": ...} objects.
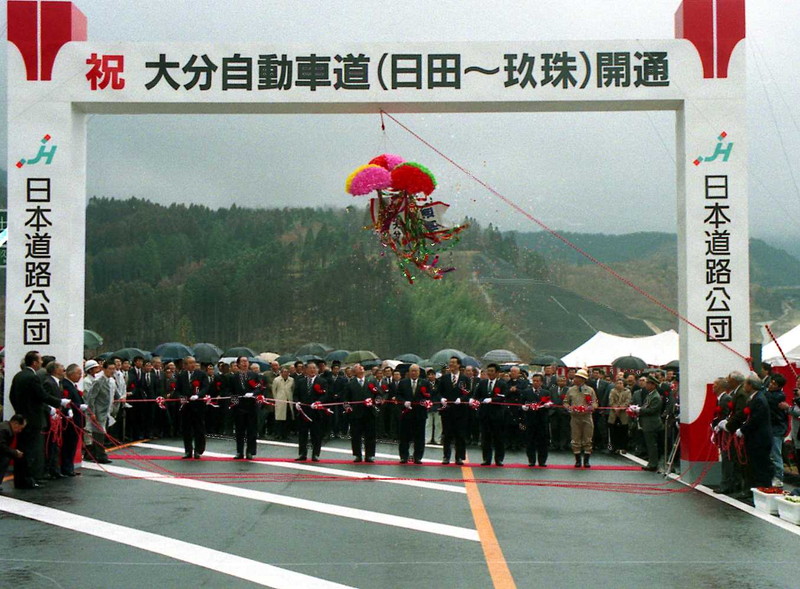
[{"x": 56, "y": 78}]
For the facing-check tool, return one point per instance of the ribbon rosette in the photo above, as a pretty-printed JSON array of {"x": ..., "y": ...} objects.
[
  {"x": 496, "y": 391},
  {"x": 160, "y": 402},
  {"x": 210, "y": 401},
  {"x": 747, "y": 412},
  {"x": 371, "y": 386},
  {"x": 474, "y": 403},
  {"x": 427, "y": 404},
  {"x": 196, "y": 385},
  {"x": 368, "y": 402},
  {"x": 254, "y": 384},
  {"x": 730, "y": 405},
  {"x": 261, "y": 400},
  {"x": 172, "y": 386}
]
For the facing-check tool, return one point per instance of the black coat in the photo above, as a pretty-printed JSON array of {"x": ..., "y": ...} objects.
[
  {"x": 405, "y": 392},
  {"x": 75, "y": 401},
  {"x": 493, "y": 411},
  {"x": 30, "y": 399},
  {"x": 451, "y": 391},
  {"x": 354, "y": 392},
  {"x": 756, "y": 428},
  {"x": 539, "y": 416},
  {"x": 136, "y": 384},
  {"x": 317, "y": 392},
  {"x": 239, "y": 386}
]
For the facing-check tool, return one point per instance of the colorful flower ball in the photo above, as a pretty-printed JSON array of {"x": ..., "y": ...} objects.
[
  {"x": 387, "y": 160},
  {"x": 367, "y": 179},
  {"x": 413, "y": 178}
]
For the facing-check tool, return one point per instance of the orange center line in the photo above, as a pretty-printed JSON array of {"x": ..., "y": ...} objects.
[{"x": 498, "y": 568}]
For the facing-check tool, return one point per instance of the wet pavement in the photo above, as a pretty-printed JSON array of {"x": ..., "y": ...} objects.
[{"x": 551, "y": 535}]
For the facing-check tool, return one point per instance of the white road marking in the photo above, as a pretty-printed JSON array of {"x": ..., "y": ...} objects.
[
  {"x": 230, "y": 564},
  {"x": 326, "y": 508},
  {"x": 772, "y": 519},
  {"x": 338, "y": 450},
  {"x": 320, "y": 469}
]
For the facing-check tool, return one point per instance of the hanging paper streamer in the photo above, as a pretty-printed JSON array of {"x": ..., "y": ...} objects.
[{"x": 405, "y": 218}]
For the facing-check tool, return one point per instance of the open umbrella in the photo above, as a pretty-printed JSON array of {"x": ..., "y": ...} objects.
[
  {"x": 361, "y": 356},
  {"x": 546, "y": 360},
  {"x": 91, "y": 339},
  {"x": 499, "y": 356},
  {"x": 286, "y": 359},
  {"x": 315, "y": 349},
  {"x": 240, "y": 351},
  {"x": 309, "y": 358},
  {"x": 410, "y": 358},
  {"x": 268, "y": 356},
  {"x": 470, "y": 361},
  {"x": 629, "y": 363},
  {"x": 339, "y": 355},
  {"x": 368, "y": 364},
  {"x": 206, "y": 353},
  {"x": 172, "y": 351},
  {"x": 130, "y": 354},
  {"x": 674, "y": 365},
  {"x": 442, "y": 357}
]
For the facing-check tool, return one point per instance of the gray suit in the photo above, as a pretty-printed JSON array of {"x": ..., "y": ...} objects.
[
  {"x": 100, "y": 400},
  {"x": 651, "y": 424}
]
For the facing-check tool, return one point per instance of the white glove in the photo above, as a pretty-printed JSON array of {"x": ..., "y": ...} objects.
[
  {"x": 487, "y": 400},
  {"x": 458, "y": 401},
  {"x": 721, "y": 425},
  {"x": 193, "y": 398},
  {"x": 248, "y": 395},
  {"x": 84, "y": 407},
  {"x": 739, "y": 433},
  {"x": 64, "y": 402},
  {"x": 70, "y": 414},
  {"x": 297, "y": 406},
  {"x": 444, "y": 402},
  {"x": 52, "y": 411},
  {"x": 548, "y": 404},
  {"x": 526, "y": 407},
  {"x": 407, "y": 404}
]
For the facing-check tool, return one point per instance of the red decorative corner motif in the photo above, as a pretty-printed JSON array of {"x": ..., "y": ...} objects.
[
  {"x": 40, "y": 35},
  {"x": 696, "y": 443},
  {"x": 710, "y": 25}
]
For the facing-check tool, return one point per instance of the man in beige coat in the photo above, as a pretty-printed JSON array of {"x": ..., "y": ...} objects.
[
  {"x": 283, "y": 393},
  {"x": 580, "y": 401},
  {"x": 618, "y": 418}
]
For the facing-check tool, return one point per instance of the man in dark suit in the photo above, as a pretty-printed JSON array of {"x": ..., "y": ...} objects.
[
  {"x": 29, "y": 399},
  {"x": 755, "y": 429},
  {"x": 309, "y": 393},
  {"x": 243, "y": 387},
  {"x": 602, "y": 389},
  {"x": 559, "y": 417},
  {"x": 473, "y": 425},
  {"x": 54, "y": 373},
  {"x": 9, "y": 430},
  {"x": 492, "y": 415},
  {"x": 362, "y": 416},
  {"x": 728, "y": 482},
  {"x": 517, "y": 384},
  {"x": 455, "y": 411},
  {"x": 190, "y": 388},
  {"x": 413, "y": 394},
  {"x": 75, "y": 420},
  {"x": 537, "y": 421},
  {"x": 136, "y": 414}
]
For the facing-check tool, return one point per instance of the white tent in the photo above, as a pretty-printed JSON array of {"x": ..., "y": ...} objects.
[
  {"x": 790, "y": 344},
  {"x": 603, "y": 348}
]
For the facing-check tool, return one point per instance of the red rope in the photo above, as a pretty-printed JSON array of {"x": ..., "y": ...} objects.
[{"x": 567, "y": 242}]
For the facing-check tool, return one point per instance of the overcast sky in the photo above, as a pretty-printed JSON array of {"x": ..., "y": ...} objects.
[{"x": 603, "y": 172}]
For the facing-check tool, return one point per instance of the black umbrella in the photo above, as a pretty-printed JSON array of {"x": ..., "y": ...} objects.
[
  {"x": 547, "y": 360},
  {"x": 470, "y": 361},
  {"x": 286, "y": 358},
  {"x": 315, "y": 349},
  {"x": 130, "y": 354},
  {"x": 309, "y": 358},
  {"x": 412, "y": 358},
  {"x": 339, "y": 355},
  {"x": 240, "y": 351},
  {"x": 172, "y": 351},
  {"x": 629, "y": 363},
  {"x": 91, "y": 339},
  {"x": 674, "y": 365},
  {"x": 207, "y": 353}
]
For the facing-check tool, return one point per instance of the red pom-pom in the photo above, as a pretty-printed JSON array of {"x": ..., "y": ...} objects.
[
  {"x": 195, "y": 383},
  {"x": 545, "y": 399},
  {"x": 317, "y": 388},
  {"x": 588, "y": 398},
  {"x": 747, "y": 411},
  {"x": 413, "y": 178},
  {"x": 496, "y": 390}
]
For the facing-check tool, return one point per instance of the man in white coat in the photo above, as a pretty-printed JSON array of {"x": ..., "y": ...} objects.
[{"x": 283, "y": 393}]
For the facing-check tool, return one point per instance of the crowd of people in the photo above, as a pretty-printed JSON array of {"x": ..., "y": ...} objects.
[{"x": 62, "y": 413}]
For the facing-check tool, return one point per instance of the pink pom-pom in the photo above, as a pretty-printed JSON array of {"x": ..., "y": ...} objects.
[{"x": 367, "y": 179}]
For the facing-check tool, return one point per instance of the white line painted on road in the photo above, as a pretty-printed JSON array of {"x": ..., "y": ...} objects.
[
  {"x": 326, "y": 508},
  {"x": 336, "y": 450},
  {"x": 320, "y": 469},
  {"x": 230, "y": 564}
]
